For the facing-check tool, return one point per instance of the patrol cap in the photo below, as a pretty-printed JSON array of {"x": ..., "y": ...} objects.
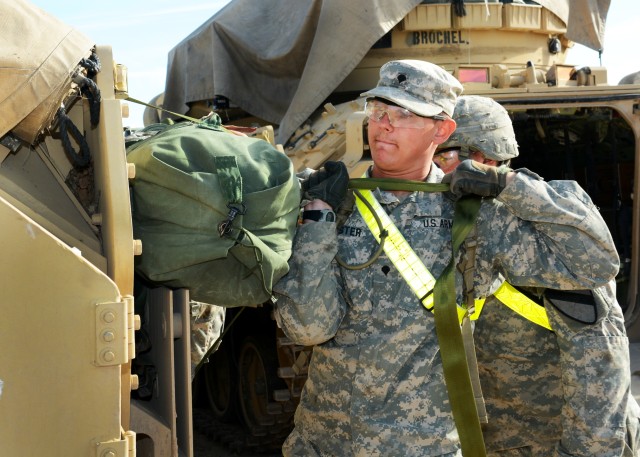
[
  {"x": 482, "y": 125},
  {"x": 421, "y": 87}
]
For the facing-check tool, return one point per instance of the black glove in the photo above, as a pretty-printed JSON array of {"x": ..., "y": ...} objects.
[
  {"x": 475, "y": 178},
  {"x": 328, "y": 184}
]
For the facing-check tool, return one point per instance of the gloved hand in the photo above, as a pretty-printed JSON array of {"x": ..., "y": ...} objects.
[
  {"x": 475, "y": 178},
  {"x": 328, "y": 184}
]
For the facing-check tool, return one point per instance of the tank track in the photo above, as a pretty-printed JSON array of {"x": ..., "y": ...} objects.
[
  {"x": 236, "y": 438},
  {"x": 263, "y": 428}
]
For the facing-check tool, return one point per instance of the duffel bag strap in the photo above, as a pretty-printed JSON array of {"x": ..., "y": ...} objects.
[{"x": 230, "y": 181}]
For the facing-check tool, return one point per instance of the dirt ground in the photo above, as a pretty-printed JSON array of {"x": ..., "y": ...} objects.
[
  {"x": 203, "y": 446},
  {"x": 208, "y": 440}
]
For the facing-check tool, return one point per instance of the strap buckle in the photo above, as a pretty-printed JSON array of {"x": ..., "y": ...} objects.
[
  {"x": 224, "y": 227},
  {"x": 427, "y": 300}
]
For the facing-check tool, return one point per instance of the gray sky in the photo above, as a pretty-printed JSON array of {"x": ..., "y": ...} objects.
[{"x": 142, "y": 32}]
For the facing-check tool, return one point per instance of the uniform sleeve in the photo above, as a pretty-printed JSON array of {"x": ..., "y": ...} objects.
[
  {"x": 594, "y": 360},
  {"x": 309, "y": 307},
  {"x": 557, "y": 238}
]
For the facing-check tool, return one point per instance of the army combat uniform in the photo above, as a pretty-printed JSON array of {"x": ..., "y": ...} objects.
[
  {"x": 207, "y": 323},
  {"x": 560, "y": 393},
  {"x": 548, "y": 393},
  {"x": 375, "y": 383}
]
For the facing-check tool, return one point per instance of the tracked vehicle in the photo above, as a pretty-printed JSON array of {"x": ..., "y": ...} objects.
[
  {"x": 571, "y": 122},
  {"x": 296, "y": 69}
]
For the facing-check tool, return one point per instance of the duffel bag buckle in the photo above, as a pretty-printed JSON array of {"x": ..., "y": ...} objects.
[{"x": 224, "y": 227}]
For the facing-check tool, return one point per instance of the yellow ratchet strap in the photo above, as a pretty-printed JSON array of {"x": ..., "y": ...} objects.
[
  {"x": 417, "y": 276},
  {"x": 518, "y": 302}
]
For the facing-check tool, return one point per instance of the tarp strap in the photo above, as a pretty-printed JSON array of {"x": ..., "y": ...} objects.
[
  {"x": 82, "y": 158},
  {"x": 88, "y": 87},
  {"x": 183, "y": 116}
]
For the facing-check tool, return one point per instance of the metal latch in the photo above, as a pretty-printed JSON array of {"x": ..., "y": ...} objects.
[
  {"x": 111, "y": 334},
  {"x": 125, "y": 447}
]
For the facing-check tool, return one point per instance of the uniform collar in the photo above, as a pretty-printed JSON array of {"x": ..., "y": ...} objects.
[{"x": 417, "y": 198}]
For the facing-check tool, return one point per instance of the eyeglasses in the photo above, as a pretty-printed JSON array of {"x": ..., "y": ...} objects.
[
  {"x": 398, "y": 117},
  {"x": 446, "y": 156}
]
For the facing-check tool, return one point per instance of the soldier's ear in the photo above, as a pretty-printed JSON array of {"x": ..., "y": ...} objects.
[{"x": 445, "y": 128}]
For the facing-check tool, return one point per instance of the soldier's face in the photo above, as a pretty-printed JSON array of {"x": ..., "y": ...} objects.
[{"x": 398, "y": 150}]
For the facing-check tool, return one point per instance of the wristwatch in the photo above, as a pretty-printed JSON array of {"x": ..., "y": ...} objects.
[{"x": 319, "y": 215}]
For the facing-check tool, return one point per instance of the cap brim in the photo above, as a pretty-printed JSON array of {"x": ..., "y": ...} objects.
[{"x": 401, "y": 98}]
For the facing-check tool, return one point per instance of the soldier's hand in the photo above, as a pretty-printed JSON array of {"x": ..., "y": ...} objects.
[
  {"x": 328, "y": 184},
  {"x": 474, "y": 178}
]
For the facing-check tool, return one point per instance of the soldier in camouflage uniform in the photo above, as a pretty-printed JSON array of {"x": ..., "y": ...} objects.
[
  {"x": 375, "y": 385},
  {"x": 483, "y": 132},
  {"x": 448, "y": 159},
  {"x": 451, "y": 154},
  {"x": 207, "y": 323},
  {"x": 564, "y": 392}
]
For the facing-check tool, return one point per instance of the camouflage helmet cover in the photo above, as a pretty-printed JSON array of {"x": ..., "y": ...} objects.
[
  {"x": 421, "y": 87},
  {"x": 482, "y": 125}
]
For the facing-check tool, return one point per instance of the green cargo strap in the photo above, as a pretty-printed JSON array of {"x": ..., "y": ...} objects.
[
  {"x": 452, "y": 350},
  {"x": 183, "y": 116},
  {"x": 466, "y": 266},
  {"x": 397, "y": 184},
  {"x": 447, "y": 319},
  {"x": 474, "y": 372}
]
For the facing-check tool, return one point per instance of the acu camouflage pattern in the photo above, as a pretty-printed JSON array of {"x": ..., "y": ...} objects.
[
  {"x": 561, "y": 393},
  {"x": 421, "y": 87},
  {"x": 375, "y": 385},
  {"x": 482, "y": 125},
  {"x": 207, "y": 322}
]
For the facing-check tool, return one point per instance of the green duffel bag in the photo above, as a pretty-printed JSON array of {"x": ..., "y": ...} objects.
[{"x": 216, "y": 212}]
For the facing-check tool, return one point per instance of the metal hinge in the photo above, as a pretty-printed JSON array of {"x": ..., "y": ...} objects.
[
  {"x": 125, "y": 447},
  {"x": 112, "y": 336}
]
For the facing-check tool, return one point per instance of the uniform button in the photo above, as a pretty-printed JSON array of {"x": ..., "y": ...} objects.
[{"x": 386, "y": 269}]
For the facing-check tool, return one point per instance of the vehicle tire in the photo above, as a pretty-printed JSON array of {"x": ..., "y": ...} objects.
[
  {"x": 258, "y": 380},
  {"x": 221, "y": 385}
]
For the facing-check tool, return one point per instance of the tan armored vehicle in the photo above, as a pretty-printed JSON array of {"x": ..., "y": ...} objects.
[
  {"x": 305, "y": 77},
  {"x": 68, "y": 368}
]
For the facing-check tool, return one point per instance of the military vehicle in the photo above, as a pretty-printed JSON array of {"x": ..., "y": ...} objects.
[
  {"x": 67, "y": 327},
  {"x": 305, "y": 79},
  {"x": 296, "y": 69}
]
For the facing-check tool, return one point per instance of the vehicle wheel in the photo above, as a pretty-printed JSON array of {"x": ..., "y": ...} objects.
[
  {"x": 221, "y": 384},
  {"x": 258, "y": 380},
  {"x": 294, "y": 365}
]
